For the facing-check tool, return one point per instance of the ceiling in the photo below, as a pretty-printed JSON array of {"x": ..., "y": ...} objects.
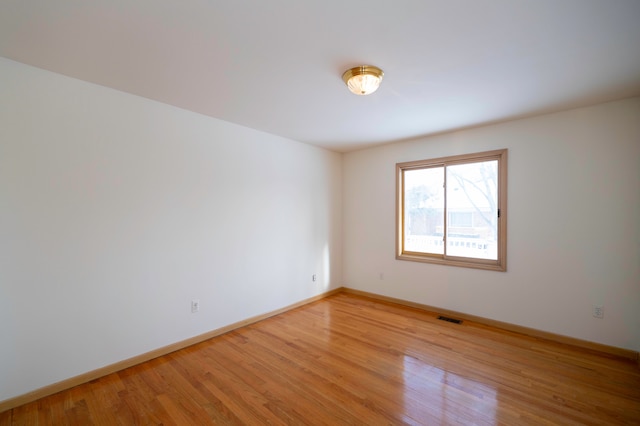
[{"x": 276, "y": 65}]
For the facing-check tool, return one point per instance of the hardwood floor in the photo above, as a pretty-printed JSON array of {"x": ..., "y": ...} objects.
[{"x": 348, "y": 359}]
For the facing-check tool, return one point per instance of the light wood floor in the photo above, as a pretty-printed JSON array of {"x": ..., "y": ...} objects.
[{"x": 351, "y": 360}]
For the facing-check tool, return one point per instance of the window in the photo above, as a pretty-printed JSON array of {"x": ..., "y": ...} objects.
[{"x": 452, "y": 210}]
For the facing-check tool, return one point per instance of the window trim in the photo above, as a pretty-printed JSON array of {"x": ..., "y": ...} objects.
[{"x": 495, "y": 265}]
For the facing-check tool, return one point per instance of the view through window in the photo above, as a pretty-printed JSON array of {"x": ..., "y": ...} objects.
[{"x": 453, "y": 210}]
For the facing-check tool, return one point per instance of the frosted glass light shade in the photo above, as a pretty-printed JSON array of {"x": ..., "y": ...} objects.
[{"x": 363, "y": 80}]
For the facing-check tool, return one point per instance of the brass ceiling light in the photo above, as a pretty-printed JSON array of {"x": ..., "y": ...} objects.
[{"x": 363, "y": 80}]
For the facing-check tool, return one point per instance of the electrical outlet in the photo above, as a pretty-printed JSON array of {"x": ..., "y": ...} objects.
[
  {"x": 195, "y": 305},
  {"x": 313, "y": 277},
  {"x": 598, "y": 311}
]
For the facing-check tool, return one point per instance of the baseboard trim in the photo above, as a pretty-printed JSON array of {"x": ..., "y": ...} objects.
[
  {"x": 558, "y": 338},
  {"x": 34, "y": 395}
]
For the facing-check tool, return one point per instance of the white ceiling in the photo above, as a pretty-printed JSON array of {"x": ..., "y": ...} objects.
[{"x": 276, "y": 65}]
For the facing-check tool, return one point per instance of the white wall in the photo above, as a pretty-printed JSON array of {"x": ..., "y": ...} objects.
[
  {"x": 573, "y": 226},
  {"x": 116, "y": 211}
]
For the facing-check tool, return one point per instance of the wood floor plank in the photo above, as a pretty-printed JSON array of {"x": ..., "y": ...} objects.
[
  {"x": 280, "y": 376},
  {"x": 349, "y": 359}
]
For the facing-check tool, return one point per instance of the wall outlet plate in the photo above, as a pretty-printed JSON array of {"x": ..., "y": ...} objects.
[{"x": 598, "y": 311}]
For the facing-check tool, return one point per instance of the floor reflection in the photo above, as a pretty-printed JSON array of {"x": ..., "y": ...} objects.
[{"x": 437, "y": 394}]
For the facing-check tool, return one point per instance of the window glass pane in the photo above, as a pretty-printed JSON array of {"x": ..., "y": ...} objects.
[
  {"x": 424, "y": 210},
  {"x": 472, "y": 203}
]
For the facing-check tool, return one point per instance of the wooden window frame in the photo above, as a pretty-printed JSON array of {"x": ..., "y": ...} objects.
[{"x": 495, "y": 265}]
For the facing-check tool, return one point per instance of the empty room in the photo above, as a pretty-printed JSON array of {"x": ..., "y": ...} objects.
[{"x": 288, "y": 212}]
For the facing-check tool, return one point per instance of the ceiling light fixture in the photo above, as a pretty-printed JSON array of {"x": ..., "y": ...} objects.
[{"x": 363, "y": 80}]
